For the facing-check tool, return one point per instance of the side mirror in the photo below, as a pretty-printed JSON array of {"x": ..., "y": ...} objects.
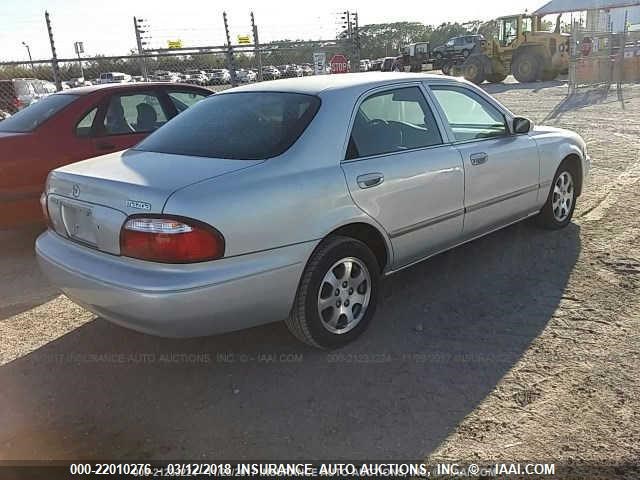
[{"x": 522, "y": 125}]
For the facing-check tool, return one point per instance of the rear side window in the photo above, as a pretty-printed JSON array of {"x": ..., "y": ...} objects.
[
  {"x": 36, "y": 114},
  {"x": 83, "y": 129},
  {"x": 133, "y": 113},
  {"x": 393, "y": 121},
  {"x": 241, "y": 126}
]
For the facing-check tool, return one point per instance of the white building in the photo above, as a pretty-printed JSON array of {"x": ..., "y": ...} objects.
[{"x": 601, "y": 15}]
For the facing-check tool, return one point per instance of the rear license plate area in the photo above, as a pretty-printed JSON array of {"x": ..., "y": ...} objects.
[{"x": 79, "y": 223}]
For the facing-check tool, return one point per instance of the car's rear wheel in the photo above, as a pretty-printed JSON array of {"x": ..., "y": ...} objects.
[
  {"x": 337, "y": 295},
  {"x": 561, "y": 202}
]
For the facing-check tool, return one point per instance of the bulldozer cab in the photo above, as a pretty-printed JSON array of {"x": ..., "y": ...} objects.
[{"x": 513, "y": 27}]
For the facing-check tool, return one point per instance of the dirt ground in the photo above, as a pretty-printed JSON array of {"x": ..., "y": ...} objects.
[{"x": 522, "y": 345}]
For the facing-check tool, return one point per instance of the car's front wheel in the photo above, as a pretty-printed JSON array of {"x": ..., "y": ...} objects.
[
  {"x": 337, "y": 295},
  {"x": 561, "y": 202}
]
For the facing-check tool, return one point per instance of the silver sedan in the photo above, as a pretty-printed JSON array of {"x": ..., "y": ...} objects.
[{"x": 290, "y": 200}]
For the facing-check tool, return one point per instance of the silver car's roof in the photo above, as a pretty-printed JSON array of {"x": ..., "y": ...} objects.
[{"x": 317, "y": 84}]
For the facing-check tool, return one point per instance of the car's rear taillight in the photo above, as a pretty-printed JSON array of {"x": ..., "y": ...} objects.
[
  {"x": 45, "y": 210},
  {"x": 17, "y": 103},
  {"x": 170, "y": 239}
]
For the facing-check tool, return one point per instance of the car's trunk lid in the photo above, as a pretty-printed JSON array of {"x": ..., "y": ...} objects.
[{"x": 89, "y": 201}]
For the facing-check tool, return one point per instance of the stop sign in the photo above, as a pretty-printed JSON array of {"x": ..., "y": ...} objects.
[{"x": 339, "y": 64}]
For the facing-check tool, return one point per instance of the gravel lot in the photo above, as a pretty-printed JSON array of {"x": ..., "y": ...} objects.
[{"x": 522, "y": 345}]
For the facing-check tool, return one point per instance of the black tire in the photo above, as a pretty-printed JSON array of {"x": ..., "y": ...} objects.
[
  {"x": 465, "y": 52},
  {"x": 496, "y": 77},
  {"x": 526, "y": 67},
  {"x": 548, "y": 75},
  {"x": 438, "y": 55},
  {"x": 305, "y": 321},
  {"x": 474, "y": 70},
  {"x": 547, "y": 218}
]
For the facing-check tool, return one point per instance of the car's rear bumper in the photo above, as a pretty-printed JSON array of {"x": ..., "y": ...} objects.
[{"x": 176, "y": 300}]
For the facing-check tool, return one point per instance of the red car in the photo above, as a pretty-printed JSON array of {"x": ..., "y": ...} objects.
[{"x": 73, "y": 125}]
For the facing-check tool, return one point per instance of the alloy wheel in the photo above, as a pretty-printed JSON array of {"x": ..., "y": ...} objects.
[
  {"x": 563, "y": 196},
  {"x": 344, "y": 295}
]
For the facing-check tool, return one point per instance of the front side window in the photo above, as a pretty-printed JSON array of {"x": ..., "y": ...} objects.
[
  {"x": 239, "y": 126},
  {"x": 393, "y": 121},
  {"x": 133, "y": 113},
  {"x": 37, "y": 113},
  {"x": 470, "y": 116}
]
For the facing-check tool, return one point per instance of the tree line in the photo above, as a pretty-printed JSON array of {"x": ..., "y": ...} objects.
[{"x": 375, "y": 40}]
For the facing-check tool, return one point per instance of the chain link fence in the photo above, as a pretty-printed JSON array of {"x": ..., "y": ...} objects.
[
  {"x": 603, "y": 58},
  {"x": 214, "y": 67}
]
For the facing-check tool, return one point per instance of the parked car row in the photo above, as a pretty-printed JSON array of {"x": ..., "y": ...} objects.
[{"x": 18, "y": 93}]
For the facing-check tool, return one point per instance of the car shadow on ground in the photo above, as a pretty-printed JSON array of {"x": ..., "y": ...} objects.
[
  {"x": 23, "y": 286},
  {"x": 446, "y": 333}
]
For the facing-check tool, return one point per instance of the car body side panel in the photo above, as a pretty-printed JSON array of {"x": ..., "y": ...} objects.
[
  {"x": 554, "y": 145},
  {"x": 420, "y": 201},
  {"x": 278, "y": 206},
  {"x": 504, "y": 186}
]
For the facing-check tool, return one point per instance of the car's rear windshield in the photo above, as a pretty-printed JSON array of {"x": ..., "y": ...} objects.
[
  {"x": 36, "y": 114},
  {"x": 240, "y": 126}
]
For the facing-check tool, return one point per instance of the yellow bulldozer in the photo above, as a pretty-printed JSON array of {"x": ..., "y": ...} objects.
[{"x": 522, "y": 48}]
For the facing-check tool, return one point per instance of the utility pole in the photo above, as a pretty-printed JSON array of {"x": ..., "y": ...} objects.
[
  {"x": 355, "y": 39},
  {"x": 137, "y": 25},
  {"x": 26, "y": 45},
  {"x": 230, "y": 61},
  {"x": 352, "y": 39},
  {"x": 256, "y": 44},
  {"x": 54, "y": 56},
  {"x": 79, "y": 48}
]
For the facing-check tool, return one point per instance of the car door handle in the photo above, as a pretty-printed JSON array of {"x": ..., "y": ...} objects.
[
  {"x": 105, "y": 146},
  {"x": 369, "y": 180},
  {"x": 478, "y": 158}
]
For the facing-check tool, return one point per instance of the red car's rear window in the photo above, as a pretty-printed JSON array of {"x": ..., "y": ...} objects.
[{"x": 36, "y": 114}]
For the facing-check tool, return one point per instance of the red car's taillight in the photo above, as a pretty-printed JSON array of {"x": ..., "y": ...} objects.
[
  {"x": 170, "y": 239},
  {"x": 45, "y": 210}
]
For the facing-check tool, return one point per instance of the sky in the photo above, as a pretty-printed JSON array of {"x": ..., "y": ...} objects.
[{"x": 107, "y": 27}]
